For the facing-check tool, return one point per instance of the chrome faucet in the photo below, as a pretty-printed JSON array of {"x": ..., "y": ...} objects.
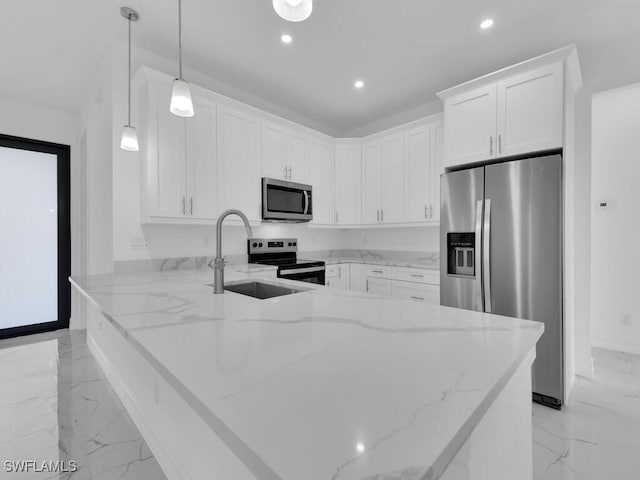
[{"x": 218, "y": 280}]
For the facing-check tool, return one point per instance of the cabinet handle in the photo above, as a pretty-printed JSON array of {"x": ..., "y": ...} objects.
[
  {"x": 378, "y": 215},
  {"x": 339, "y": 272},
  {"x": 425, "y": 211},
  {"x": 499, "y": 143},
  {"x": 289, "y": 173},
  {"x": 190, "y": 205},
  {"x": 367, "y": 287},
  {"x": 431, "y": 210},
  {"x": 377, "y": 271},
  {"x": 183, "y": 204},
  {"x": 285, "y": 172},
  {"x": 417, "y": 275},
  {"x": 417, "y": 298},
  {"x": 336, "y": 216},
  {"x": 491, "y": 145},
  {"x": 382, "y": 214}
]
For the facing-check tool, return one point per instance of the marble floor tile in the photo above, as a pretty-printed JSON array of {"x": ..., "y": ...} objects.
[
  {"x": 597, "y": 434},
  {"x": 56, "y": 404}
]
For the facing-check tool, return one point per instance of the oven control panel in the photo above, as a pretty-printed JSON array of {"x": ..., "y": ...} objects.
[{"x": 272, "y": 245}]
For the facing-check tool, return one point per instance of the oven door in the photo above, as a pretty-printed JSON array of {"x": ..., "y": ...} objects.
[
  {"x": 304, "y": 274},
  {"x": 286, "y": 201}
]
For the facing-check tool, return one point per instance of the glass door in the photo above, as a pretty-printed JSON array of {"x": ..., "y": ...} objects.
[{"x": 35, "y": 293}]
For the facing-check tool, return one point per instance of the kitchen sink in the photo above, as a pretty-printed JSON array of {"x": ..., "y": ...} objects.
[{"x": 262, "y": 290}]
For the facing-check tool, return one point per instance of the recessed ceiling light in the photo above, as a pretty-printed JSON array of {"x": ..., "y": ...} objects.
[
  {"x": 358, "y": 84},
  {"x": 488, "y": 23},
  {"x": 286, "y": 38},
  {"x": 360, "y": 447}
]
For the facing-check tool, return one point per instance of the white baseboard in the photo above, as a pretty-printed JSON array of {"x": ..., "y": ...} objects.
[{"x": 620, "y": 346}]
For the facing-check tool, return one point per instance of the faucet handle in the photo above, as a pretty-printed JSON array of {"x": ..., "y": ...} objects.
[{"x": 219, "y": 262}]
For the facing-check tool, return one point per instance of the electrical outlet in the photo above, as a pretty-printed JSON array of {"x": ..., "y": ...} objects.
[
  {"x": 625, "y": 319},
  {"x": 139, "y": 242},
  {"x": 156, "y": 391}
]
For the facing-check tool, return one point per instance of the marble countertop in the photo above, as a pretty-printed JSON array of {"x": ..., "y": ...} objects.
[{"x": 322, "y": 384}]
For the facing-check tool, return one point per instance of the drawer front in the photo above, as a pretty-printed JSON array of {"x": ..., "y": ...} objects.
[
  {"x": 378, "y": 271},
  {"x": 418, "y": 275},
  {"x": 416, "y": 291}
]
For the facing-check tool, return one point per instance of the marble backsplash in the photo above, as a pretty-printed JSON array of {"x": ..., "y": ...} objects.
[{"x": 190, "y": 263}]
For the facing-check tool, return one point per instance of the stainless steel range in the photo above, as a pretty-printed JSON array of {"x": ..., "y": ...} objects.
[{"x": 282, "y": 252}]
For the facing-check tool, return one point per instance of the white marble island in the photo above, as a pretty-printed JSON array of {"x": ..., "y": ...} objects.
[{"x": 323, "y": 384}]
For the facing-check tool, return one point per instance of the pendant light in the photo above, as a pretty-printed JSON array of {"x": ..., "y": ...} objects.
[
  {"x": 129, "y": 139},
  {"x": 181, "y": 104},
  {"x": 293, "y": 10}
]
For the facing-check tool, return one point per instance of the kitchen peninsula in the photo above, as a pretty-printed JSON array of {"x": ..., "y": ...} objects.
[{"x": 321, "y": 384}]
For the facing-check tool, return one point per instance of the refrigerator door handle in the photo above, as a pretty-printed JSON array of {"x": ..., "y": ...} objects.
[
  {"x": 486, "y": 253},
  {"x": 478, "y": 257}
]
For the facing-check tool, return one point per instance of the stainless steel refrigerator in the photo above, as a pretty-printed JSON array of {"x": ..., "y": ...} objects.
[{"x": 501, "y": 253}]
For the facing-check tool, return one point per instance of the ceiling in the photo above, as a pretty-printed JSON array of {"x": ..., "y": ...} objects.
[{"x": 404, "y": 50}]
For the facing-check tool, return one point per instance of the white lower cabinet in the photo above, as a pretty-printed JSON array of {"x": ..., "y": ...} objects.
[
  {"x": 337, "y": 276},
  {"x": 416, "y": 291},
  {"x": 358, "y": 277},
  {"x": 379, "y": 286}
]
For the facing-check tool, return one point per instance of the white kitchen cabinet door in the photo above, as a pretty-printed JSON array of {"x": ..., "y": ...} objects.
[
  {"x": 379, "y": 286},
  {"x": 338, "y": 276},
  {"x": 273, "y": 150},
  {"x": 358, "y": 277},
  {"x": 348, "y": 181},
  {"x": 166, "y": 183},
  {"x": 238, "y": 162},
  {"x": 417, "y": 174},
  {"x": 371, "y": 182},
  {"x": 202, "y": 172},
  {"x": 436, "y": 169},
  {"x": 321, "y": 180},
  {"x": 530, "y": 111},
  {"x": 392, "y": 206},
  {"x": 470, "y": 126},
  {"x": 416, "y": 291},
  {"x": 297, "y": 157}
]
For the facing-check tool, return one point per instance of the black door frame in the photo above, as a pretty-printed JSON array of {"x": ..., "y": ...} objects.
[{"x": 63, "y": 154}]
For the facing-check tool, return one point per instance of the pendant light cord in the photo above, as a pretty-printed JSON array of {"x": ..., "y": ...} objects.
[
  {"x": 180, "y": 36},
  {"x": 129, "y": 102}
]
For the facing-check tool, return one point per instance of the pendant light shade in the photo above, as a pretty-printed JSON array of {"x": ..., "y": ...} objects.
[
  {"x": 129, "y": 140},
  {"x": 181, "y": 104},
  {"x": 293, "y": 10}
]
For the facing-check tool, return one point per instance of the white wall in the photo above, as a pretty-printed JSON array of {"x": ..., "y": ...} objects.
[
  {"x": 412, "y": 239},
  {"x": 615, "y": 179}
]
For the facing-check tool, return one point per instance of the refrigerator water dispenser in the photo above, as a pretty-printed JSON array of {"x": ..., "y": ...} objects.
[{"x": 461, "y": 254}]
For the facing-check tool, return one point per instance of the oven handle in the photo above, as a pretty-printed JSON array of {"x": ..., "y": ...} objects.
[
  {"x": 306, "y": 201},
  {"x": 294, "y": 271}
]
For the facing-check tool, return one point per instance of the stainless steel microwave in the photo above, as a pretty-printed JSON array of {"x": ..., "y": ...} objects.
[{"x": 286, "y": 201}]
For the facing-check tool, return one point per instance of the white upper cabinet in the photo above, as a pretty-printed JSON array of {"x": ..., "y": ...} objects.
[
  {"x": 283, "y": 152},
  {"x": 297, "y": 157},
  {"x": 238, "y": 161},
  {"x": 392, "y": 207},
  {"x": 273, "y": 150},
  {"x": 348, "y": 180},
  {"x": 371, "y": 182},
  {"x": 436, "y": 169},
  {"x": 470, "y": 126},
  {"x": 530, "y": 111},
  {"x": 179, "y": 179},
  {"x": 321, "y": 180},
  {"x": 417, "y": 174},
  {"x": 202, "y": 174},
  {"x": 516, "y": 113}
]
